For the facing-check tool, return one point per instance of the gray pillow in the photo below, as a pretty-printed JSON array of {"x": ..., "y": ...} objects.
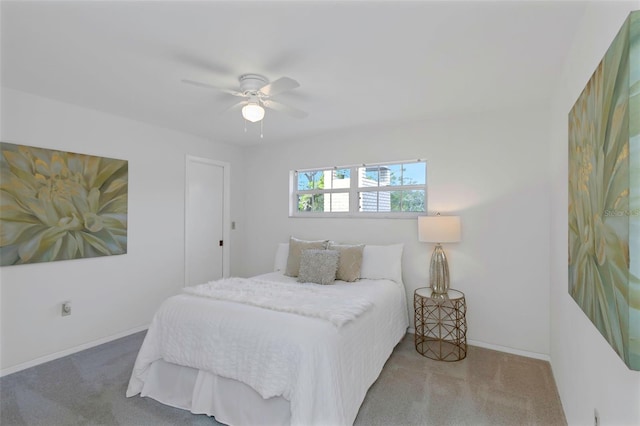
[
  {"x": 295, "y": 251},
  {"x": 318, "y": 266},
  {"x": 350, "y": 261}
]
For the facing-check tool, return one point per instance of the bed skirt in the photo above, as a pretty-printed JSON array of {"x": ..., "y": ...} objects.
[{"x": 229, "y": 401}]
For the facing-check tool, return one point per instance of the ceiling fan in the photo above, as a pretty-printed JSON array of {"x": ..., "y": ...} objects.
[{"x": 257, "y": 92}]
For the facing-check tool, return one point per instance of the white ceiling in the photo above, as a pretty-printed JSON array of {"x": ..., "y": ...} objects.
[{"x": 358, "y": 62}]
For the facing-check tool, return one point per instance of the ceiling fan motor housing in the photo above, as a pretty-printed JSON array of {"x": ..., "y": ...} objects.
[{"x": 252, "y": 83}]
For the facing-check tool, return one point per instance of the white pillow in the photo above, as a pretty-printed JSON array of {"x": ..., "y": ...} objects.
[
  {"x": 282, "y": 253},
  {"x": 382, "y": 262}
]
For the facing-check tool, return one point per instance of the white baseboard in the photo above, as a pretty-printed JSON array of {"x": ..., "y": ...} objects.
[
  {"x": 528, "y": 354},
  {"x": 506, "y": 349},
  {"x": 70, "y": 351}
]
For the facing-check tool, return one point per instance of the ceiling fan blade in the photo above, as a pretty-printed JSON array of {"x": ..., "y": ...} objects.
[
  {"x": 280, "y": 85},
  {"x": 208, "y": 86},
  {"x": 294, "y": 112},
  {"x": 234, "y": 107}
]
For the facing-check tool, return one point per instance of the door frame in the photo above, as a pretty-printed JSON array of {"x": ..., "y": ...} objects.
[{"x": 226, "y": 211}]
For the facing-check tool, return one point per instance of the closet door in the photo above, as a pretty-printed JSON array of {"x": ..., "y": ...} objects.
[{"x": 206, "y": 212}]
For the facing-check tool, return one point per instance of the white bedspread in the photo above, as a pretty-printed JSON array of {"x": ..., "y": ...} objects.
[{"x": 323, "y": 370}]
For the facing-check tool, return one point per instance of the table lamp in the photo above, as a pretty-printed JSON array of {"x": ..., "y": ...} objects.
[{"x": 439, "y": 229}]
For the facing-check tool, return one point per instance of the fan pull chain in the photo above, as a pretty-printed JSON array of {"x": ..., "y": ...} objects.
[{"x": 261, "y": 135}]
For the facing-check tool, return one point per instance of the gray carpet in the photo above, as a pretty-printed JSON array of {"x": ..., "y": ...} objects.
[{"x": 487, "y": 388}]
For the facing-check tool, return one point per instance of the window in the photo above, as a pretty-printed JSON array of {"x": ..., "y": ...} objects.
[{"x": 389, "y": 190}]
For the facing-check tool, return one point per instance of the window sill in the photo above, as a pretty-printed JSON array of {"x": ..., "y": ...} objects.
[{"x": 407, "y": 215}]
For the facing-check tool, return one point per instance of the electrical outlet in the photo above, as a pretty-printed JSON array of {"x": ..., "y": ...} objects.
[
  {"x": 596, "y": 417},
  {"x": 66, "y": 308}
]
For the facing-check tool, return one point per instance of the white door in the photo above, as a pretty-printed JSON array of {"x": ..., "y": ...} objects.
[{"x": 206, "y": 206}]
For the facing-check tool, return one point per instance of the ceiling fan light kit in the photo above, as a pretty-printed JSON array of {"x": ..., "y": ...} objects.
[{"x": 252, "y": 112}]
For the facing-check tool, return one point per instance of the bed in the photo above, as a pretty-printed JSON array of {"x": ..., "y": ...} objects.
[{"x": 289, "y": 353}]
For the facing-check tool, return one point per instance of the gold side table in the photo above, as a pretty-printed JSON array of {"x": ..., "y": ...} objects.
[{"x": 440, "y": 324}]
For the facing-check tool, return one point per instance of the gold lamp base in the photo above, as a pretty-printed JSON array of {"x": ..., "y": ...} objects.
[{"x": 439, "y": 271}]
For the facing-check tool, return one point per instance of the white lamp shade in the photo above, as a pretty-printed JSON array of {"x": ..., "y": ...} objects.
[
  {"x": 439, "y": 229},
  {"x": 253, "y": 112}
]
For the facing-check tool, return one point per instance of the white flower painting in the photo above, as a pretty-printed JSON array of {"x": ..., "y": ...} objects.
[{"x": 58, "y": 205}]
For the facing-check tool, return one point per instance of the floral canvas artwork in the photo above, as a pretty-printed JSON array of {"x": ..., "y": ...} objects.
[
  {"x": 57, "y": 205},
  {"x": 604, "y": 195}
]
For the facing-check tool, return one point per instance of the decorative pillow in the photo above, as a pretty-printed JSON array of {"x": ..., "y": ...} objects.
[
  {"x": 382, "y": 262},
  {"x": 295, "y": 251},
  {"x": 350, "y": 262},
  {"x": 280, "y": 262},
  {"x": 318, "y": 266}
]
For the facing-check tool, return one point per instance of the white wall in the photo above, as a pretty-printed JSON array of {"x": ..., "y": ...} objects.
[
  {"x": 490, "y": 168},
  {"x": 588, "y": 372},
  {"x": 111, "y": 296}
]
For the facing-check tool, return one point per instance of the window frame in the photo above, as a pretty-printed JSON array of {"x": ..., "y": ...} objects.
[{"x": 353, "y": 190}]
